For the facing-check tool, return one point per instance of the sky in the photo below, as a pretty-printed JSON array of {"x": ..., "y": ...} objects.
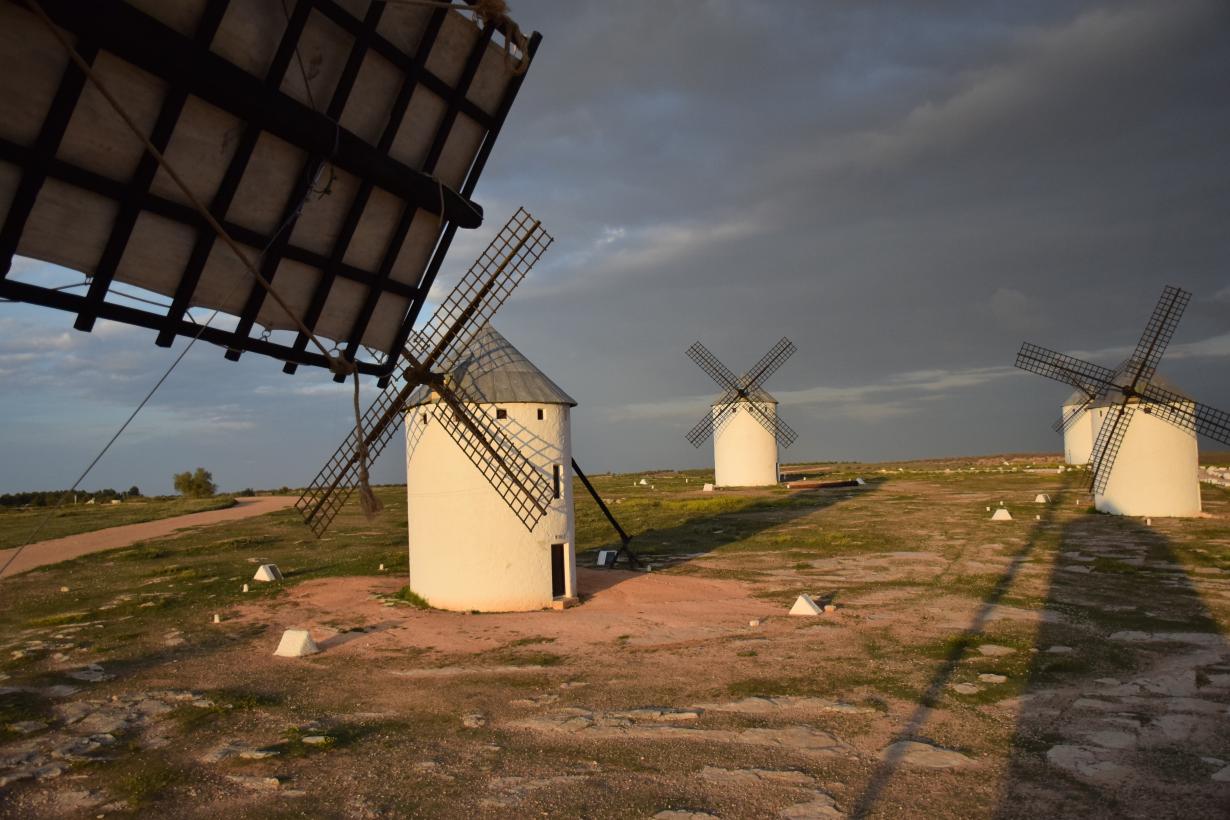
[{"x": 906, "y": 190}]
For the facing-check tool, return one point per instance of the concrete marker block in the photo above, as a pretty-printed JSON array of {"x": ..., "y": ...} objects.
[
  {"x": 296, "y": 643},
  {"x": 268, "y": 572},
  {"x": 804, "y": 605}
]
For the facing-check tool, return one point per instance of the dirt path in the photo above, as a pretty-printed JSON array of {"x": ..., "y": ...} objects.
[{"x": 74, "y": 546}]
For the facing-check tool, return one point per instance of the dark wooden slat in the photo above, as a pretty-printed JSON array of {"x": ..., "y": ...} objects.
[
  {"x": 329, "y": 274},
  {"x": 480, "y": 162},
  {"x": 50, "y": 135},
  {"x": 162, "y": 51},
  {"x": 403, "y": 61},
  {"x": 452, "y": 102},
  {"x": 307, "y": 174},
  {"x": 147, "y": 169},
  {"x": 231, "y": 180},
  {"x": 63, "y": 300},
  {"x": 19, "y": 155}
]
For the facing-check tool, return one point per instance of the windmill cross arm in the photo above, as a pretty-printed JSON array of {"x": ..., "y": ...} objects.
[
  {"x": 1106, "y": 449},
  {"x": 1158, "y": 333},
  {"x": 768, "y": 364},
  {"x": 1187, "y": 414},
  {"x": 1090, "y": 378},
  {"x": 709, "y": 363}
]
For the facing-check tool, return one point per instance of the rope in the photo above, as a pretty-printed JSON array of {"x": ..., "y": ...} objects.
[{"x": 368, "y": 503}]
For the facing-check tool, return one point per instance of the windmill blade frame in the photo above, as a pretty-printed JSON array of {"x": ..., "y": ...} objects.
[
  {"x": 1093, "y": 379},
  {"x": 1064, "y": 424},
  {"x": 769, "y": 364},
  {"x": 1203, "y": 419},
  {"x": 774, "y": 424},
  {"x": 713, "y": 367},
  {"x": 1158, "y": 332},
  {"x": 469, "y": 306},
  {"x": 1106, "y": 449}
]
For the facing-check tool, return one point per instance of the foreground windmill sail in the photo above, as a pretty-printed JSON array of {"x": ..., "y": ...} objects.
[
  {"x": 1116, "y": 395},
  {"x": 429, "y": 355},
  {"x": 744, "y": 392}
]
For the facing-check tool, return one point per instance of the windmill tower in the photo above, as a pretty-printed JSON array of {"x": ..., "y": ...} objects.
[
  {"x": 1144, "y": 459},
  {"x": 743, "y": 421},
  {"x": 468, "y": 549},
  {"x": 1077, "y": 426}
]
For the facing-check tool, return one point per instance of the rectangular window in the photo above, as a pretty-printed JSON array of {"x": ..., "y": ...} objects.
[
  {"x": 540, "y": 414},
  {"x": 555, "y": 478},
  {"x": 501, "y": 413},
  {"x": 424, "y": 418}
]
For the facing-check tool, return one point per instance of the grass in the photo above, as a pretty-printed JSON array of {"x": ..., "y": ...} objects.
[{"x": 17, "y": 525}]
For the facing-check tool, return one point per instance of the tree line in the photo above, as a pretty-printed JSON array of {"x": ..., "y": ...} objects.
[{"x": 51, "y": 498}]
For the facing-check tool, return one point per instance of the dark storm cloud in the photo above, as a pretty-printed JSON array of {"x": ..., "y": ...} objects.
[{"x": 906, "y": 190}]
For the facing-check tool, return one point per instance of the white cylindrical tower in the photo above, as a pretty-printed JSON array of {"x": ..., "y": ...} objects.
[
  {"x": 1155, "y": 471},
  {"x": 744, "y": 451},
  {"x": 1080, "y": 434},
  {"x": 468, "y": 549}
]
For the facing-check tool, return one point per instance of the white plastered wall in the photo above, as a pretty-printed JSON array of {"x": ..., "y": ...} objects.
[
  {"x": 1079, "y": 437},
  {"x": 1154, "y": 473},
  {"x": 744, "y": 452},
  {"x": 468, "y": 550}
]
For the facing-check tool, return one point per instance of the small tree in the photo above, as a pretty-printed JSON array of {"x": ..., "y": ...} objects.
[
  {"x": 199, "y": 484},
  {"x": 133, "y": 492}
]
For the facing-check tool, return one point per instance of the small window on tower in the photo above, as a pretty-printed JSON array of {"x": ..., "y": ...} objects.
[
  {"x": 555, "y": 478},
  {"x": 540, "y": 414},
  {"x": 424, "y": 418},
  {"x": 501, "y": 413}
]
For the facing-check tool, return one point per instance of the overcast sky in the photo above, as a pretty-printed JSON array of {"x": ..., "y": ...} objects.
[{"x": 906, "y": 190}]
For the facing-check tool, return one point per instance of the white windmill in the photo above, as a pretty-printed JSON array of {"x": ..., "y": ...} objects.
[
  {"x": 1144, "y": 459},
  {"x": 743, "y": 421},
  {"x": 468, "y": 548}
]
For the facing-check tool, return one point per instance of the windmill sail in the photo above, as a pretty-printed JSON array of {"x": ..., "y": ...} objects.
[{"x": 475, "y": 299}]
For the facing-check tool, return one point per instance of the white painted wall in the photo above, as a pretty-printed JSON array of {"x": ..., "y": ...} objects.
[
  {"x": 744, "y": 452},
  {"x": 468, "y": 550},
  {"x": 1079, "y": 437},
  {"x": 1154, "y": 473}
]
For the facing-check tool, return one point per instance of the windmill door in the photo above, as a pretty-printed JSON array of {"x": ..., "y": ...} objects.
[{"x": 557, "y": 570}]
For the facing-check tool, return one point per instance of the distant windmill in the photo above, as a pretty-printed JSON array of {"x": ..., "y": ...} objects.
[
  {"x": 1147, "y": 467},
  {"x": 743, "y": 421}
]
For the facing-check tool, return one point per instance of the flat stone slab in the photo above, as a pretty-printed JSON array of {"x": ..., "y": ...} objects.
[
  {"x": 992, "y": 650},
  {"x": 1087, "y": 765},
  {"x": 924, "y": 755}
]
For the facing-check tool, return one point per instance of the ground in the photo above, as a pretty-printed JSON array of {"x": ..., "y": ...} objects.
[{"x": 1064, "y": 663}]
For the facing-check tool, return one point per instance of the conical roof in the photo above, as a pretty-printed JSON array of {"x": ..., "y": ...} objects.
[{"x": 492, "y": 371}]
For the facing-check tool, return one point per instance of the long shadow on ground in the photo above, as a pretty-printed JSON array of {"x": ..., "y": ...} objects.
[{"x": 1126, "y": 705}]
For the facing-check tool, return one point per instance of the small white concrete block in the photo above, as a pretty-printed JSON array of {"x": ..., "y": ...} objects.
[
  {"x": 860, "y": 481},
  {"x": 1042, "y": 498},
  {"x": 804, "y": 605},
  {"x": 296, "y": 643},
  {"x": 1037, "y": 518},
  {"x": 643, "y": 482},
  {"x": 1148, "y": 522},
  {"x": 708, "y": 488},
  {"x": 606, "y": 558},
  {"x": 754, "y": 622},
  {"x": 268, "y": 572},
  {"x": 382, "y": 567},
  {"x": 1001, "y": 515},
  {"x": 217, "y": 618},
  {"x": 245, "y": 587}
]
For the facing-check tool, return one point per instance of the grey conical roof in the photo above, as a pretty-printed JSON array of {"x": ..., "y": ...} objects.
[{"x": 492, "y": 371}]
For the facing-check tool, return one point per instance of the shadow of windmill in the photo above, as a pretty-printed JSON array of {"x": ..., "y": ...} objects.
[
  {"x": 1134, "y": 724},
  {"x": 1113, "y": 587}
]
